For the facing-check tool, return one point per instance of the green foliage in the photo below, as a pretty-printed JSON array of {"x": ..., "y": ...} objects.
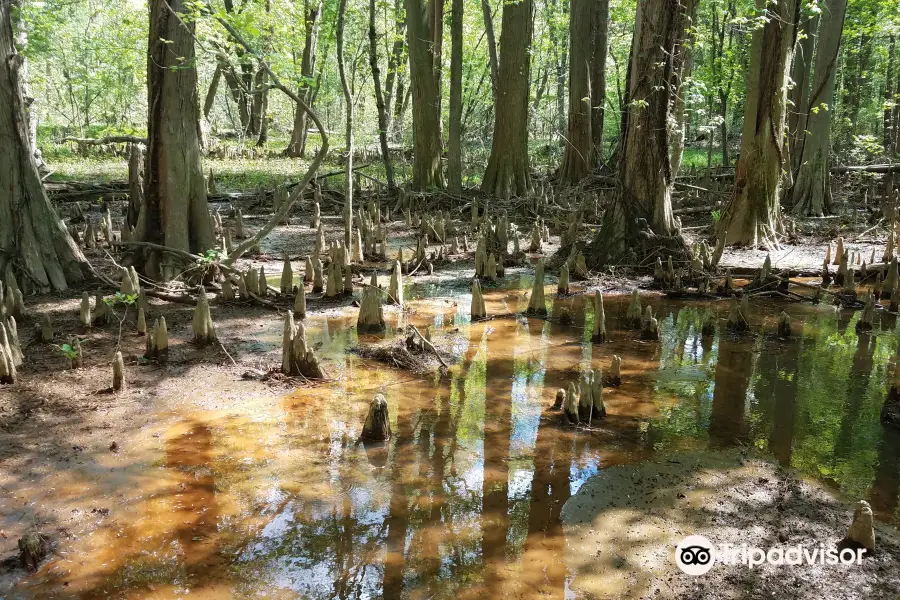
[
  {"x": 68, "y": 351},
  {"x": 212, "y": 255},
  {"x": 120, "y": 298}
]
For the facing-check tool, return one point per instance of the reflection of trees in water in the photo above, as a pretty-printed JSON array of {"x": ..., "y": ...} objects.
[{"x": 728, "y": 424}]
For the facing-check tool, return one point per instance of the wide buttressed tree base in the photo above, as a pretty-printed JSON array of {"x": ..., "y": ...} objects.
[
  {"x": 33, "y": 239},
  {"x": 812, "y": 189},
  {"x": 507, "y": 172},
  {"x": 175, "y": 212},
  {"x": 753, "y": 216},
  {"x": 639, "y": 223}
]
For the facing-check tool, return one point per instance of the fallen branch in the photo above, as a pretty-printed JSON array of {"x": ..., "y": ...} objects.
[
  {"x": 429, "y": 345},
  {"x": 695, "y": 209}
]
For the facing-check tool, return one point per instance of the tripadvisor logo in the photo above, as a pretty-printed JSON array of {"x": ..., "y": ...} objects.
[{"x": 696, "y": 555}]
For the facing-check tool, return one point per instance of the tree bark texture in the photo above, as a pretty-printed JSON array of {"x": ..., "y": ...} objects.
[
  {"x": 641, "y": 218},
  {"x": 598, "y": 77},
  {"x": 175, "y": 212},
  {"x": 33, "y": 239},
  {"x": 454, "y": 144},
  {"x": 492, "y": 47},
  {"x": 579, "y": 142},
  {"x": 812, "y": 190},
  {"x": 426, "y": 109},
  {"x": 507, "y": 172},
  {"x": 801, "y": 73},
  {"x": 753, "y": 215},
  {"x": 683, "y": 64}
]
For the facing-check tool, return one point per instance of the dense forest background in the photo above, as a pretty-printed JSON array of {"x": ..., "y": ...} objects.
[{"x": 88, "y": 63}]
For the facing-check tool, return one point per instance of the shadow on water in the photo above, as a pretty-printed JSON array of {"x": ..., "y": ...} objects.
[{"x": 464, "y": 500}]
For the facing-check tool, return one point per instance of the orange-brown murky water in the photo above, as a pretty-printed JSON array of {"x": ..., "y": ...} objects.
[{"x": 464, "y": 501}]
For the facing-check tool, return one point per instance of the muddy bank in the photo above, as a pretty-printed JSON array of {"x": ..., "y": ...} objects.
[{"x": 623, "y": 525}]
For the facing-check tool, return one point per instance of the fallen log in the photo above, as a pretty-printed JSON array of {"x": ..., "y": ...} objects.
[
  {"x": 110, "y": 139},
  {"x": 695, "y": 209},
  {"x": 894, "y": 168}
]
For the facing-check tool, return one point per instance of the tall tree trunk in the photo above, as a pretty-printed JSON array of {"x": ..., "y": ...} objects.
[
  {"x": 812, "y": 190},
  {"x": 507, "y": 172},
  {"x": 33, "y": 239},
  {"x": 598, "y": 77},
  {"x": 753, "y": 216},
  {"x": 379, "y": 99},
  {"x": 348, "y": 101},
  {"x": 396, "y": 60},
  {"x": 889, "y": 100},
  {"x": 801, "y": 74},
  {"x": 561, "y": 50},
  {"x": 640, "y": 218},
  {"x": 258, "y": 124},
  {"x": 683, "y": 63},
  {"x": 312, "y": 10},
  {"x": 175, "y": 211},
  {"x": 492, "y": 47},
  {"x": 579, "y": 142},
  {"x": 454, "y": 145},
  {"x": 211, "y": 92},
  {"x": 427, "y": 172}
]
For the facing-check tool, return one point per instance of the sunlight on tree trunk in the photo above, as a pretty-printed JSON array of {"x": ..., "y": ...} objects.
[
  {"x": 598, "y": 77},
  {"x": 684, "y": 62},
  {"x": 507, "y": 172},
  {"x": 175, "y": 212},
  {"x": 454, "y": 143},
  {"x": 427, "y": 172},
  {"x": 579, "y": 142},
  {"x": 753, "y": 216},
  {"x": 640, "y": 221},
  {"x": 311, "y": 10},
  {"x": 349, "y": 108},
  {"x": 812, "y": 190},
  {"x": 801, "y": 70},
  {"x": 33, "y": 239}
]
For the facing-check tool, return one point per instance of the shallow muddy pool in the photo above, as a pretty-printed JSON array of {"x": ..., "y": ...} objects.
[{"x": 281, "y": 501}]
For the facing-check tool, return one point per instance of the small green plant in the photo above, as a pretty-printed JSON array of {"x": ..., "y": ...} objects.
[
  {"x": 120, "y": 298},
  {"x": 716, "y": 215},
  {"x": 68, "y": 351},
  {"x": 213, "y": 255}
]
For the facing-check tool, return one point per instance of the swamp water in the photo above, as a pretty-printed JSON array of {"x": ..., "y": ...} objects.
[{"x": 464, "y": 500}]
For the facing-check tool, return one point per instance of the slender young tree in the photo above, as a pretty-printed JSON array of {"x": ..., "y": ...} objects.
[
  {"x": 426, "y": 109},
  {"x": 380, "y": 106},
  {"x": 753, "y": 215},
  {"x": 349, "y": 107},
  {"x": 454, "y": 143},
  {"x": 311, "y": 11},
  {"x": 33, "y": 239},
  {"x": 640, "y": 221},
  {"x": 812, "y": 190},
  {"x": 507, "y": 172},
  {"x": 175, "y": 211},
  {"x": 492, "y": 46},
  {"x": 579, "y": 142}
]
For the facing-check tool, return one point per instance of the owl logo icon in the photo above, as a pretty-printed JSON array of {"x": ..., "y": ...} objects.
[{"x": 695, "y": 555}]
